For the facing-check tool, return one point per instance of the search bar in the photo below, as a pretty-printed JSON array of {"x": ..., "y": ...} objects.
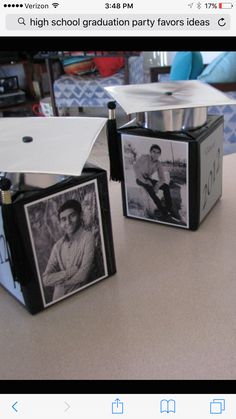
[{"x": 87, "y": 22}]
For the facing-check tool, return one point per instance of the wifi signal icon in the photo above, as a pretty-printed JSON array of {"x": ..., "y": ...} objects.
[{"x": 55, "y": 5}]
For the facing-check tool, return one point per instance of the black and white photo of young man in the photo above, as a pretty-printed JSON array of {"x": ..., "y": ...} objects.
[
  {"x": 71, "y": 258},
  {"x": 156, "y": 179},
  {"x": 75, "y": 252}
]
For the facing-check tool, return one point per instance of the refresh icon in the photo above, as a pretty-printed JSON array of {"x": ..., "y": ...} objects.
[{"x": 221, "y": 21}]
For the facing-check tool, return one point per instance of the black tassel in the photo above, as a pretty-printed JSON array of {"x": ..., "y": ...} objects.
[
  {"x": 116, "y": 170},
  {"x": 11, "y": 232}
]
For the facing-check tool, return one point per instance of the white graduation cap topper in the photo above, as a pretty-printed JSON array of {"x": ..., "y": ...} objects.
[
  {"x": 57, "y": 145},
  {"x": 170, "y": 95}
]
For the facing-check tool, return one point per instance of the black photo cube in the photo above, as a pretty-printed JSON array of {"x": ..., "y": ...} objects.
[
  {"x": 34, "y": 234},
  {"x": 55, "y": 223},
  {"x": 192, "y": 168},
  {"x": 170, "y": 153}
]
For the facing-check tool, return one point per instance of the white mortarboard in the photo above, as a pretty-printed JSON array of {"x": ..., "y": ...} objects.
[
  {"x": 147, "y": 97},
  {"x": 61, "y": 145}
]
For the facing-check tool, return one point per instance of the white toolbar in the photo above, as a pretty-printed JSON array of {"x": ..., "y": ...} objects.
[{"x": 123, "y": 406}]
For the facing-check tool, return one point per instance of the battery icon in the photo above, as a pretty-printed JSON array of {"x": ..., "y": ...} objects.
[{"x": 225, "y": 5}]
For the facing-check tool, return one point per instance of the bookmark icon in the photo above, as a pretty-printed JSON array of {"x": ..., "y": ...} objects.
[{"x": 167, "y": 406}]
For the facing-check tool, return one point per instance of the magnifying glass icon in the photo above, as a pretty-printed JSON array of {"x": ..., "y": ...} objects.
[{"x": 21, "y": 21}]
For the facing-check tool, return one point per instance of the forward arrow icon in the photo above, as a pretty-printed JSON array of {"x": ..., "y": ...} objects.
[{"x": 67, "y": 406}]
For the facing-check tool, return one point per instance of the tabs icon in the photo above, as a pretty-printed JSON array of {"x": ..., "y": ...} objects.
[
  {"x": 217, "y": 406},
  {"x": 168, "y": 406}
]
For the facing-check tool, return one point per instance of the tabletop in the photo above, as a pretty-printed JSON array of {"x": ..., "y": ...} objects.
[{"x": 168, "y": 313}]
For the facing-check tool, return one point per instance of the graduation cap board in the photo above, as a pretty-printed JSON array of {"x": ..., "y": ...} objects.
[
  {"x": 171, "y": 153},
  {"x": 170, "y": 106},
  {"x": 35, "y": 228},
  {"x": 50, "y": 145},
  {"x": 170, "y": 95}
]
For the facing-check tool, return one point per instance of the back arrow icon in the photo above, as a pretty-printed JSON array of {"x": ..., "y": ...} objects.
[
  {"x": 14, "y": 407},
  {"x": 67, "y": 406}
]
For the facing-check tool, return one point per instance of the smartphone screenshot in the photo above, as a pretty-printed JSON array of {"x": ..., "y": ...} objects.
[{"x": 117, "y": 204}]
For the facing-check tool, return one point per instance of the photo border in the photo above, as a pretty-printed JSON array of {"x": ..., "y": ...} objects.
[
  {"x": 26, "y": 206},
  {"x": 124, "y": 137}
]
